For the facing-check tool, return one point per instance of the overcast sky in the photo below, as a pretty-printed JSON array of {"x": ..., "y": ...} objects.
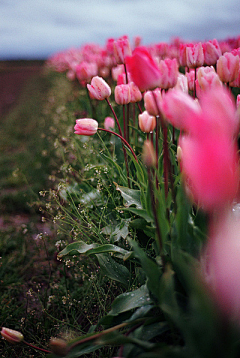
[{"x": 38, "y": 28}]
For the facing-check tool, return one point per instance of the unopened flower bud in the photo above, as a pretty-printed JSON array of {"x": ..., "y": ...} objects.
[
  {"x": 149, "y": 154},
  {"x": 135, "y": 93},
  {"x": 109, "y": 123},
  {"x": 58, "y": 346},
  {"x": 11, "y": 336},
  {"x": 99, "y": 88},
  {"x": 150, "y": 101},
  {"x": 146, "y": 122},
  {"x": 86, "y": 126}
]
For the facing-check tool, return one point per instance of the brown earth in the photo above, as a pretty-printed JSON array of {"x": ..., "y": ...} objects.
[{"x": 13, "y": 77}]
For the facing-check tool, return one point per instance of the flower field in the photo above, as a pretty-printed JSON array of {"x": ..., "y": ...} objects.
[{"x": 137, "y": 148}]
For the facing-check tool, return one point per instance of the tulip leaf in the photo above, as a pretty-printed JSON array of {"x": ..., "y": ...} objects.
[
  {"x": 112, "y": 269},
  {"x": 130, "y": 196}
]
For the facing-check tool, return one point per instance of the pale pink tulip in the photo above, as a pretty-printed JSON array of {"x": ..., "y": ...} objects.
[
  {"x": 149, "y": 154},
  {"x": 228, "y": 67},
  {"x": 143, "y": 69},
  {"x": 169, "y": 73},
  {"x": 109, "y": 123},
  {"x": 191, "y": 79},
  {"x": 194, "y": 55},
  {"x": 11, "y": 335},
  {"x": 135, "y": 93},
  {"x": 182, "y": 83},
  {"x": 122, "y": 49},
  {"x": 85, "y": 71},
  {"x": 99, "y": 88},
  {"x": 207, "y": 79},
  {"x": 212, "y": 52},
  {"x": 116, "y": 71},
  {"x": 86, "y": 126},
  {"x": 146, "y": 122},
  {"x": 150, "y": 102},
  {"x": 122, "y": 94}
]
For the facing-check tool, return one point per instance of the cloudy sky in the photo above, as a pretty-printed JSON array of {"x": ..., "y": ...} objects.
[{"x": 38, "y": 28}]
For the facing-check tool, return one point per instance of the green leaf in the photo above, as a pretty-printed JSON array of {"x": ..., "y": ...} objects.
[
  {"x": 113, "y": 269},
  {"x": 140, "y": 212},
  {"x": 130, "y": 300},
  {"x": 121, "y": 230},
  {"x": 150, "y": 267},
  {"x": 130, "y": 196}
]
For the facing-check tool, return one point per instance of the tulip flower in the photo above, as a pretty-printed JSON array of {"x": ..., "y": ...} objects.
[
  {"x": 207, "y": 79},
  {"x": 135, "y": 93},
  {"x": 212, "y": 52},
  {"x": 146, "y": 122},
  {"x": 99, "y": 88},
  {"x": 210, "y": 169},
  {"x": 11, "y": 335},
  {"x": 181, "y": 110},
  {"x": 122, "y": 94},
  {"x": 169, "y": 73},
  {"x": 194, "y": 55},
  {"x": 182, "y": 55},
  {"x": 238, "y": 101},
  {"x": 220, "y": 263},
  {"x": 228, "y": 67},
  {"x": 191, "y": 79},
  {"x": 143, "y": 69},
  {"x": 149, "y": 154},
  {"x": 182, "y": 83},
  {"x": 109, "y": 123},
  {"x": 150, "y": 103},
  {"x": 86, "y": 126},
  {"x": 122, "y": 49},
  {"x": 85, "y": 71}
]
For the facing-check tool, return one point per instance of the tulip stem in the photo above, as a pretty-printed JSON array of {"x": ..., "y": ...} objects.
[
  {"x": 115, "y": 116},
  {"x": 122, "y": 139},
  {"x": 37, "y": 348}
]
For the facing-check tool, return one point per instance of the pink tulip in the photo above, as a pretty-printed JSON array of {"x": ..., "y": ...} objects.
[
  {"x": 109, "y": 123},
  {"x": 99, "y": 88},
  {"x": 116, "y": 71},
  {"x": 182, "y": 83},
  {"x": 194, "y": 55},
  {"x": 149, "y": 154},
  {"x": 11, "y": 335},
  {"x": 221, "y": 264},
  {"x": 182, "y": 55},
  {"x": 212, "y": 52},
  {"x": 150, "y": 102},
  {"x": 86, "y": 126},
  {"x": 122, "y": 49},
  {"x": 169, "y": 73},
  {"x": 85, "y": 71},
  {"x": 238, "y": 101},
  {"x": 228, "y": 67},
  {"x": 122, "y": 94},
  {"x": 207, "y": 79},
  {"x": 146, "y": 122},
  {"x": 181, "y": 110},
  {"x": 143, "y": 69},
  {"x": 210, "y": 167},
  {"x": 191, "y": 79},
  {"x": 135, "y": 93}
]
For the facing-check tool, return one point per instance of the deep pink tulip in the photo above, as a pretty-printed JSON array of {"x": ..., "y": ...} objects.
[
  {"x": 212, "y": 52},
  {"x": 191, "y": 79},
  {"x": 122, "y": 49},
  {"x": 122, "y": 94},
  {"x": 143, "y": 69},
  {"x": 220, "y": 263},
  {"x": 181, "y": 110},
  {"x": 150, "y": 102},
  {"x": 99, "y": 88},
  {"x": 169, "y": 73},
  {"x": 238, "y": 101},
  {"x": 228, "y": 67},
  {"x": 109, "y": 123},
  {"x": 182, "y": 55},
  {"x": 146, "y": 122},
  {"x": 210, "y": 167},
  {"x": 86, "y": 126},
  {"x": 194, "y": 55},
  {"x": 135, "y": 93}
]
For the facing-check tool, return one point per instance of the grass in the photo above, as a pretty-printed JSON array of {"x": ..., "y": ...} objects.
[{"x": 40, "y": 296}]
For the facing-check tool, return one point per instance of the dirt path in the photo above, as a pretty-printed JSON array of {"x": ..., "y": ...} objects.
[{"x": 13, "y": 76}]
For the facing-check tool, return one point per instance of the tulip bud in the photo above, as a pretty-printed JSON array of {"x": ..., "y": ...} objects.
[
  {"x": 150, "y": 104},
  {"x": 207, "y": 78},
  {"x": 135, "y": 93},
  {"x": 109, "y": 123},
  {"x": 11, "y": 336},
  {"x": 99, "y": 88},
  {"x": 122, "y": 94},
  {"x": 212, "y": 52},
  {"x": 194, "y": 55},
  {"x": 169, "y": 73},
  {"x": 228, "y": 67},
  {"x": 146, "y": 122},
  {"x": 86, "y": 126},
  {"x": 58, "y": 346},
  {"x": 149, "y": 154},
  {"x": 182, "y": 83},
  {"x": 122, "y": 49}
]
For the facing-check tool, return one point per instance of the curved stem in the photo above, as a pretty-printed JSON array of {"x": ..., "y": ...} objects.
[
  {"x": 39, "y": 349},
  {"x": 115, "y": 116},
  {"x": 122, "y": 139}
]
